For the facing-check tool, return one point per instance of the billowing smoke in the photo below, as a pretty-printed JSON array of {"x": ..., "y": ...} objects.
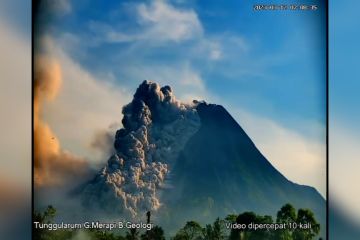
[
  {"x": 156, "y": 128},
  {"x": 103, "y": 140},
  {"x": 52, "y": 165}
]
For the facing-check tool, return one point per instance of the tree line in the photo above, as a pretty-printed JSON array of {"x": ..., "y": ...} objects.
[{"x": 193, "y": 230}]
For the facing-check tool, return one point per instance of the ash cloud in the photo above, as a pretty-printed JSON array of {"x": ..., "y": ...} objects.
[
  {"x": 52, "y": 164},
  {"x": 103, "y": 139},
  {"x": 156, "y": 127}
]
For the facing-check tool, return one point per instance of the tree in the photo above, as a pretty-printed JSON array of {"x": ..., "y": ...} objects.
[
  {"x": 208, "y": 232},
  {"x": 245, "y": 218},
  {"x": 132, "y": 234},
  {"x": 248, "y": 233},
  {"x": 234, "y": 233},
  {"x": 219, "y": 229},
  {"x": 98, "y": 234},
  {"x": 287, "y": 214},
  {"x": 46, "y": 217},
  {"x": 215, "y": 231},
  {"x": 305, "y": 216},
  {"x": 261, "y": 233},
  {"x": 231, "y": 218},
  {"x": 156, "y": 233},
  {"x": 191, "y": 231}
]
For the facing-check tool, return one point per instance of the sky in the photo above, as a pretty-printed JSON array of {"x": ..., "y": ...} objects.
[
  {"x": 267, "y": 68},
  {"x": 16, "y": 138},
  {"x": 344, "y": 101},
  {"x": 15, "y": 94},
  {"x": 15, "y": 112}
]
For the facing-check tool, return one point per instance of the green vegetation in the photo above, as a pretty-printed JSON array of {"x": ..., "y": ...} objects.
[{"x": 298, "y": 228}]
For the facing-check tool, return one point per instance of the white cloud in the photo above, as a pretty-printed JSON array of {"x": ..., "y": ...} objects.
[
  {"x": 168, "y": 23},
  {"x": 225, "y": 46},
  {"x": 157, "y": 21},
  {"x": 299, "y": 158},
  {"x": 344, "y": 166},
  {"x": 214, "y": 48},
  {"x": 186, "y": 82},
  {"x": 107, "y": 33},
  {"x": 215, "y": 54},
  {"x": 191, "y": 78},
  {"x": 83, "y": 106}
]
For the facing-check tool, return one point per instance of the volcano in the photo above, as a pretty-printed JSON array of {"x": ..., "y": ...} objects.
[
  {"x": 189, "y": 162},
  {"x": 220, "y": 171}
]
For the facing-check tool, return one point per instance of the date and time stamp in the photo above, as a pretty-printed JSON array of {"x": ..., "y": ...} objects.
[{"x": 285, "y": 7}]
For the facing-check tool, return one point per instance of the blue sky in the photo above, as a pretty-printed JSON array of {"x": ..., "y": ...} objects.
[
  {"x": 344, "y": 73},
  {"x": 344, "y": 85},
  {"x": 267, "y": 68},
  {"x": 271, "y": 63},
  {"x": 344, "y": 81}
]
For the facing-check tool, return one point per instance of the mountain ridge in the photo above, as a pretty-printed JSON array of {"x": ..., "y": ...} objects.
[
  {"x": 236, "y": 176},
  {"x": 189, "y": 162}
]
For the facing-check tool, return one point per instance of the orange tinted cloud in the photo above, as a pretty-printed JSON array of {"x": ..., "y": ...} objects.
[{"x": 52, "y": 164}]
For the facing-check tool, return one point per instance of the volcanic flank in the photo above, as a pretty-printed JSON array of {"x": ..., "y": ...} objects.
[{"x": 189, "y": 162}]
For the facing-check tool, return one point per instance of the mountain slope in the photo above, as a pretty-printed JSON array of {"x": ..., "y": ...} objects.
[
  {"x": 188, "y": 162},
  {"x": 220, "y": 171}
]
